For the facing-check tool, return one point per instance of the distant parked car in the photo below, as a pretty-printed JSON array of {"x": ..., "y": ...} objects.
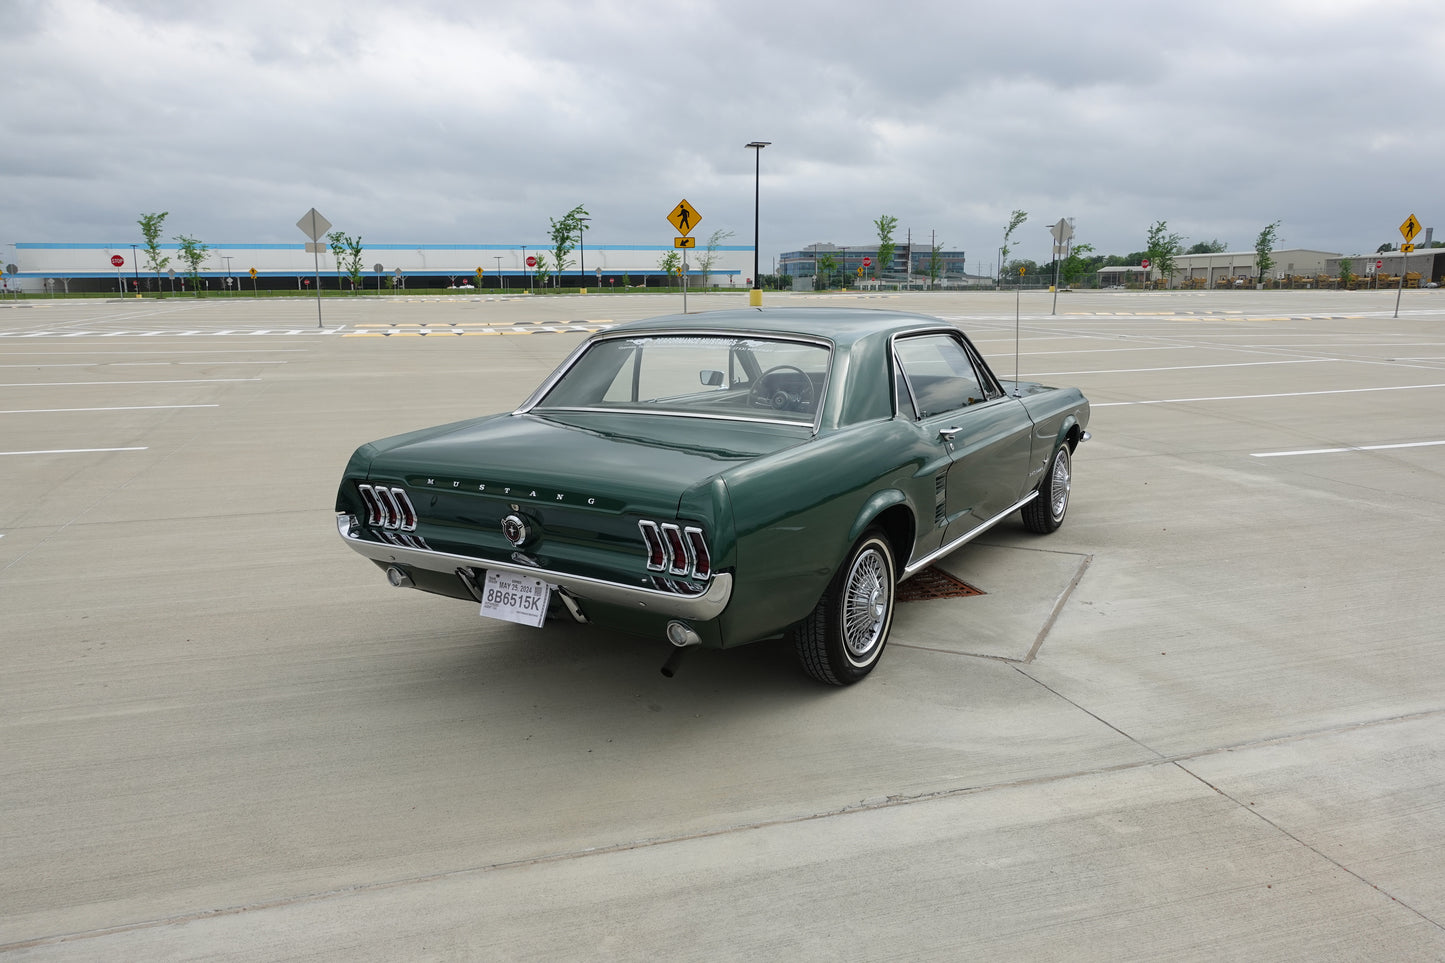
[{"x": 723, "y": 478}]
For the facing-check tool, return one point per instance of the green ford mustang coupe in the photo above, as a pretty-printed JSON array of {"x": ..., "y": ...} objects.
[{"x": 722, "y": 478}]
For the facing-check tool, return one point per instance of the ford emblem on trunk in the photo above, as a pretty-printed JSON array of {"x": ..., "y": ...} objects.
[{"x": 515, "y": 530}]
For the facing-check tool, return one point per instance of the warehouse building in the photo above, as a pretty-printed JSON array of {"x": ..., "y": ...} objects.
[{"x": 122, "y": 267}]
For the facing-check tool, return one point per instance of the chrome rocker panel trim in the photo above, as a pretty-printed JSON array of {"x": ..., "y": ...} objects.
[
  {"x": 957, "y": 543},
  {"x": 708, "y": 605}
]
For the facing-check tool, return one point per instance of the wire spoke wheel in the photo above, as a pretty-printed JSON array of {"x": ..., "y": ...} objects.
[
  {"x": 843, "y": 638},
  {"x": 864, "y": 606},
  {"x": 1046, "y": 512},
  {"x": 1060, "y": 481}
]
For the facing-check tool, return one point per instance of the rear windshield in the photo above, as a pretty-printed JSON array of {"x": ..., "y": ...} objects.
[{"x": 699, "y": 375}]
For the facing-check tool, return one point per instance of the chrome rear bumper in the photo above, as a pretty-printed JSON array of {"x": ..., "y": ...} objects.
[{"x": 708, "y": 605}]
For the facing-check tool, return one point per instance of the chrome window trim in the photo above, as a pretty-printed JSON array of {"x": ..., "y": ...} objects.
[
  {"x": 988, "y": 381},
  {"x": 535, "y": 398},
  {"x": 707, "y": 605},
  {"x": 658, "y": 412}
]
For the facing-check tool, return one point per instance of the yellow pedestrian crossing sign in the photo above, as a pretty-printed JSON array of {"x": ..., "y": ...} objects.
[
  {"x": 684, "y": 218},
  {"x": 1410, "y": 228}
]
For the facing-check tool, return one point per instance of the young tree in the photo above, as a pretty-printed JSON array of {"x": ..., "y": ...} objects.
[
  {"x": 1347, "y": 275},
  {"x": 192, "y": 253},
  {"x": 541, "y": 272},
  {"x": 669, "y": 264},
  {"x": 1014, "y": 220},
  {"x": 1263, "y": 247},
  {"x": 1078, "y": 263},
  {"x": 827, "y": 265},
  {"x": 935, "y": 265},
  {"x": 150, "y": 228},
  {"x": 885, "y": 225},
  {"x": 353, "y": 261},
  {"x": 707, "y": 259},
  {"x": 1162, "y": 249},
  {"x": 564, "y": 234},
  {"x": 337, "y": 242}
]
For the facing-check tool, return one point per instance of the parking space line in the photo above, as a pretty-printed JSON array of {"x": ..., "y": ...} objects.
[
  {"x": 1283, "y": 394},
  {"x": 1184, "y": 367},
  {"x": 47, "y": 411},
  {"x": 69, "y": 451},
  {"x": 78, "y": 384},
  {"x": 134, "y": 364},
  {"x": 1333, "y": 451}
]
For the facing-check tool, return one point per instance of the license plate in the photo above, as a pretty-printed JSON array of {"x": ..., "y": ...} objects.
[{"x": 515, "y": 598}]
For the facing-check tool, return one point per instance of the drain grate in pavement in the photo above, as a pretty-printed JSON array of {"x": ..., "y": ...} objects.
[{"x": 934, "y": 583}]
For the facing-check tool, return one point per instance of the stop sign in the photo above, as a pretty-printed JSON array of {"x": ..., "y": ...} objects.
[
  {"x": 867, "y": 261},
  {"x": 1379, "y": 264},
  {"x": 1144, "y": 263},
  {"x": 531, "y": 262},
  {"x": 117, "y": 260}
]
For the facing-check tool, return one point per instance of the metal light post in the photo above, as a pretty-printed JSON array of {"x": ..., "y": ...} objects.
[
  {"x": 582, "y": 253},
  {"x": 498, "y": 259},
  {"x": 755, "y": 296},
  {"x": 135, "y": 266}
]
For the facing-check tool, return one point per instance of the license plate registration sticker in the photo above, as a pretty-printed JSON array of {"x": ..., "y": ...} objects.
[{"x": 515, "y": 598}]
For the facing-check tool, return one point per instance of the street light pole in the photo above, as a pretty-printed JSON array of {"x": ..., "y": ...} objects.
[
  {"x": 755, "y": 296},
  {"x": 498, "y": 259}
]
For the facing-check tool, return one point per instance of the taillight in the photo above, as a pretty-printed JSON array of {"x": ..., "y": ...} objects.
[
  {"x": 702, "y": 561},
  {"x": 656, "y": 554},
  {"x": 388, "y": 508},
  {"x": 677, "y": 560},
  {"x": 676, "y": 550}
]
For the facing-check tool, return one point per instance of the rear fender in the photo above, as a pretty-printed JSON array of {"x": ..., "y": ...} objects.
[{"x": 899, "y": 520}]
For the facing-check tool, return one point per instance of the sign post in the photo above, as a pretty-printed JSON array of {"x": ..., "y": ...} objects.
[
  {"x": 1063, "y": 233},
  {"x": 1408, "y": 230},
  {"x": 684, "y": 217},
  {"x": 314, "y": 226}
]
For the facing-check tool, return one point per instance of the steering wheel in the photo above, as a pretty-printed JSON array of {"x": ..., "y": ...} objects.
[{"x": 788, "y": 394}]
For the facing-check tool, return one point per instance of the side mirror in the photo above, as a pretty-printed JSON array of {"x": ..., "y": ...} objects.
[{"x": 710, "y": 378}]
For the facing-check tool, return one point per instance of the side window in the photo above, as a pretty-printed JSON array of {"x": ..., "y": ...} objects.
[
  {"x": 940, "y": 374},
  {"x": 902, "y": 400}
]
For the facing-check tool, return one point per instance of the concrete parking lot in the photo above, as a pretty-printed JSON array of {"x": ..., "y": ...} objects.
[{"x": 1203, "y": 720}]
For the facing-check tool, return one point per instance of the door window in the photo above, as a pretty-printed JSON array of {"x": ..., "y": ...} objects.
[{"x": 941, "y": 376}]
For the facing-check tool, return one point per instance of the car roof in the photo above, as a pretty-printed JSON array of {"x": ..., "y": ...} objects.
[{"x": 840, "y": 325}]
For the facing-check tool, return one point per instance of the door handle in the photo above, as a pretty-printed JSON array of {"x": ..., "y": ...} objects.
[{"x": 948, "y": 433}]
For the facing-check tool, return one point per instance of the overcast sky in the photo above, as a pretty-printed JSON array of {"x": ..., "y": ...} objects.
[{"x": 474, "y": 122}]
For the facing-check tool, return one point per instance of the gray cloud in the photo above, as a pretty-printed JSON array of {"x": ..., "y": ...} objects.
[{"x": 440, "y": 121}]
